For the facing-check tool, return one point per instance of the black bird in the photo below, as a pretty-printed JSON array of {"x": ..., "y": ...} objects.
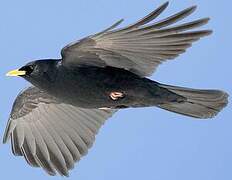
[{"x": 54, "y": 122}]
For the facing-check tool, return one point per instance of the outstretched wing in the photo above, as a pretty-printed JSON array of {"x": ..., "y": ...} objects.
[
  {"x": 139, "y": 47},
  {"x": 49, "y": 134}
]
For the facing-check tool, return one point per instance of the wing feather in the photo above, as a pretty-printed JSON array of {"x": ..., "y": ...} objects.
[
  {"x": 50, "y": 134},
  {"x": 139, "y": 47}
]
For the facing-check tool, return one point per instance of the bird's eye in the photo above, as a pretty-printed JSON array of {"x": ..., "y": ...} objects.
[{"x": 29, "y": 69}]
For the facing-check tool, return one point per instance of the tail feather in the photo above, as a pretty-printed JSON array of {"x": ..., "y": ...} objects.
[{"x": 199, "y": 103}]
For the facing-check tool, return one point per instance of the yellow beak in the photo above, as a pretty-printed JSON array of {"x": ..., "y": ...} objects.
[{"x": 16, "y": 73}]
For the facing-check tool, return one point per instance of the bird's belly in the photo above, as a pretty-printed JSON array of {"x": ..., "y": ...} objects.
[
  {"x": 90, "y": 88},
  {"x": 88, "y": 98},
  {"x": 99, "y": 97},
  {"x": 89, "y": 95}
]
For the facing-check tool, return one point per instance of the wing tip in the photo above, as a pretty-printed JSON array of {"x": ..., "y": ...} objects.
[
  {"x": 192, "y": 8},
  {"x": 4, "y": 140},
  {"x": 202, "y": 33},
  {"x": 189, "y": 10},
  {"x": 208, "y": 32},
  {"x": 160, "y": 9},
  {"x": 206, "y": 20},
  {"x": 5, "y": 137},
  {"x": 119, "y": 21},
  {"x": 164, "y": 5},
  {"x": 9, "y": 129}
]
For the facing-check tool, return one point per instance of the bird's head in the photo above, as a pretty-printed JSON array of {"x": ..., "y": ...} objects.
[{"x": 39, "y": 71}]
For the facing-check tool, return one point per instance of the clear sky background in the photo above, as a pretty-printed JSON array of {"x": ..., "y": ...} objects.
[{"x": 136, "y": 143}]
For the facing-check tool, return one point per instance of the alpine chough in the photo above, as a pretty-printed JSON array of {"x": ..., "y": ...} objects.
[{"x": 53, "y": 123}]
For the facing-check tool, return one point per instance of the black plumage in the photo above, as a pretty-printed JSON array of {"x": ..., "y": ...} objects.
[{"x": 54, "y": 122}]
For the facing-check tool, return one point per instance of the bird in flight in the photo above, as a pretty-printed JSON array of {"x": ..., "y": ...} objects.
[{"x": 53, "y": 122}]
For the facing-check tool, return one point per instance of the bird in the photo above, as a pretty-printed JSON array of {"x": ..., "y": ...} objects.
[{"x": 54, "y": 121}]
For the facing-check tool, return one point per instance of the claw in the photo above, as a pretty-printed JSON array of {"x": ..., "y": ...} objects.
[{"x": 116, "y": 95}]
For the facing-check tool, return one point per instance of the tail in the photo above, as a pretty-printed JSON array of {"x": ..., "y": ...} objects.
[{"x": 198, "y": 104}]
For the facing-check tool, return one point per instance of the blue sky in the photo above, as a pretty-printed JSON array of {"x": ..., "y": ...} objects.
[{"x": 136, "y": 143}]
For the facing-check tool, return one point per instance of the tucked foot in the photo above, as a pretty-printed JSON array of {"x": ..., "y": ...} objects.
[{"x": 116, "y": 95}]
